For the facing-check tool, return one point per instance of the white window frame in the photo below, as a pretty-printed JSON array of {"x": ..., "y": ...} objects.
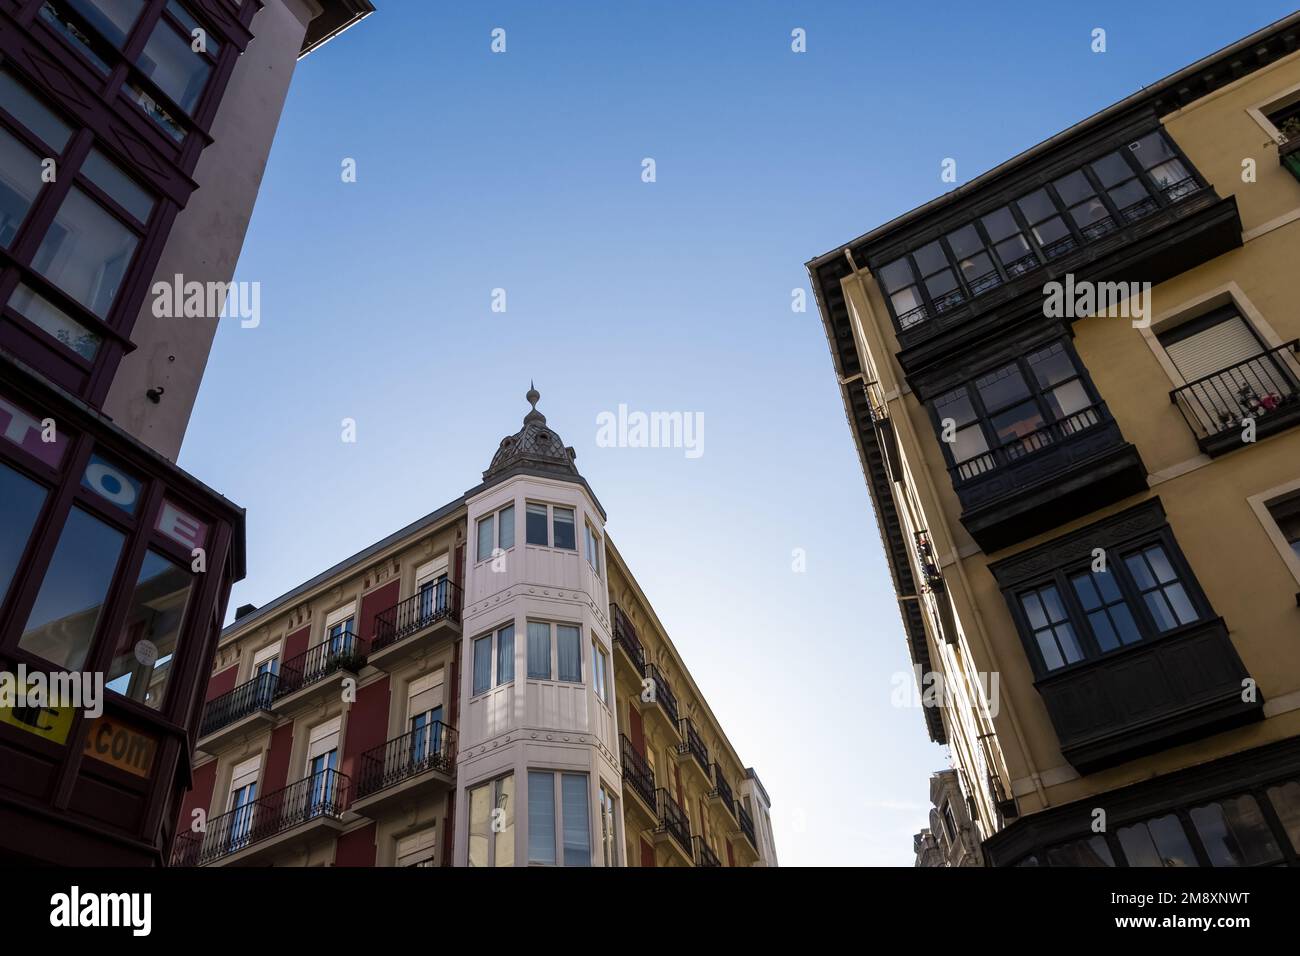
[
  {"x": 550, "y": 524},
  {"x": 554, "y": 640},
  {"x": 270, "y": 652},
  {"x": 611, "y": 842},
  {"x": 495, "y": 517},
  {"x": 557, "y": 796},
  {"x": 338, "y": 616},
  {"x": 494, "y": 796},
  {"x": 593, "y": 547},
  {"x": 600, "y": 672},
  {"x": 1259, "y": 503}
]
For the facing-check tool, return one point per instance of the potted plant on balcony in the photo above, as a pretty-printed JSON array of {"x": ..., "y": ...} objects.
[
  {"x": 1288, "y": 149},
  {"x": 351, "y": 661}
]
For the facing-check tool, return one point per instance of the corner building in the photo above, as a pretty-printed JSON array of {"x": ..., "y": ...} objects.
[
  {"x": 130, "y": 152},
  {"x": 486, "y": 687},
  {"x": 1091, "y": 516}
]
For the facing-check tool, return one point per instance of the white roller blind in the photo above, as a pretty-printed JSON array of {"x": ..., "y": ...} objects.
[
  {"x": 416, "y": 847},
  {"x": 430, "y": 571},
  {"x": 425, "y": 694},
  {"x": 245, "y": 773},
  {"x": 324, "y": 738},
  {"x": 1213, "y": 349},
  {"x": 265, "y": 654}
]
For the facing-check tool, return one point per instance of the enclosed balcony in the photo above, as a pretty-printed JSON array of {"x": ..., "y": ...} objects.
[
  {"x": 239, "y": 713},
  {"x": 1245, "y": 402},
  {"x": 639, "y": 780},
  {"x": 721, "y": 792},
  {"x": 703, "y": 855},
  {"x": 661, "y": 709},
  {"x": 416, "y": 765},
  {"x": 692, "y": 753},
  {"x": 304, "y": 812},
  {"x": 672, "y": 828},
  {"x": 305, "y": 680},
  {"x": 403, "y": 630}
]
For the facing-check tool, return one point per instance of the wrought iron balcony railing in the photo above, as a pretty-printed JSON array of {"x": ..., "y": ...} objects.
[
  {"x": 344, "y": 651},
  {"x": 672, "y": 820},
  {"x": 1264, "y": 388},
  {"x": 1025, "y": 445},
  {"x": 693, "y": 744},
  {"x": 625, "y": 637},
  {"x": 703, "y": 855},
  {"x": 440, "y": 601},
  {"x": 722, "y": 789},
  {"x": 663, "y": 692},
  {"x": 636, "y": 771},
  {"x": 323, "y": 794},
  {"x": 431, "y": 747},
  {"x": 931, "y": 576},
  {"x": 746, "y": 825},
  {"x": 235, "y": 705}
]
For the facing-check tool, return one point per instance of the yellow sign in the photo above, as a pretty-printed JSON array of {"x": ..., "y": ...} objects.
[
  {"x": 52, "y": 723},
  {"x": 121, "y": 746}
]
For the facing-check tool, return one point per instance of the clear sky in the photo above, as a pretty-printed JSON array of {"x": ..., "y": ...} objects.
[{"x": 522, "y": 171}]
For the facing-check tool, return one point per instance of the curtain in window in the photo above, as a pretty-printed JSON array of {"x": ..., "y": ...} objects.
[
  {"x": 506, "y": 654},
  {"x": 541, "y": 817},
  {"x": 482, "y": 664},
  {"x": 577, "y": 822},
  {"x": 506, "y": 517},
  {"x": 569, "y": 650},
  {"x": 539, "y": 651}
]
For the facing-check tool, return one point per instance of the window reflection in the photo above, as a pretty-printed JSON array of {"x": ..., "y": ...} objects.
[
  {"x": 20, "y": 505},
  {"x": 142, "y": 658},
  {"x": 86, "y": 252}
]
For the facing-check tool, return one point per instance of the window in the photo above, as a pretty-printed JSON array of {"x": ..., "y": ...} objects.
[
  {"x": 539, "y": 651},
  {"x": 482, "y": 664},
  {"x": 1103, "y": 603},
  {"x": 118, "y": 186},
  {"x": 424, "y": 717},
  {"x": 1234, "y": 833},
  {"x": 1162, "y": 590},
  {"x": 1285, "y": 799},
  {"x": 86, "y": 252},
  {"x": 340, "y": 630},
  {"x": 973, "y": 260},
  {"x": 1085, "y": 207},
  {"x": 171, "y": 62},
  {"x": 506, "y": 655},
  {"x": 562, "y": 523},
  {"x": 608, "y": 833},
  {"x": 20, "y": 182},
  {"x": 62, "y": 623},
  {"x": 535, "y": 525},
  {"x": 33, "y": 115},
  {"x": 900, "y": 285},
  {"x": 938, "y": 277},
  {"x": 492, "y": 823},
  {"x": 144, "y": 651},
  {"x": 1157, "y": 842},
  {"x": 1123, "y": 186},
  {"x": 267, "y": 660},
  {"x": 322, "y": 768},
  {"x": 1046, "y": 224},
  {"x": 1092, "y": 851},
  {"x": 1159, "y": 161},
  {"x": 573, "y": 823},
  {"x": 1014, "y": 410},
  {"x": 112, "y": 19},
  {"x": 1285, "y": 513},
  {"x": 593, "y": 548},
  {"x": 433, "y": 588},
  {"x": 21, "y": 500},
  {"x": 598, "y": 672},
  {"x": 241, "y": 805},
  {"x": 567, "y": 662},
  {"x": 52, "y": 320},
  {"x": 568, "y": 647},
  {"x": 418, "y": 849},
  {"x": 496, "y": 530},
  {"x": 505, "y": 659},
  {"x": 1009, "y": 243}
]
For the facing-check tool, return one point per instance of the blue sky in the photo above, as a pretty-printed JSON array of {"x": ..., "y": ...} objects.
[{"x": 522, "y": 171}]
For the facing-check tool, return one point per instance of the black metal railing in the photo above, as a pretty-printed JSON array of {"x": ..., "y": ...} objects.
[
  {"x": 323, "y": 794},
  {"x": 636, "y": 771},
  {"x": 343, "y": 651},
  {"x": 1024, "y": 445},
  {"x": 1181, "y": 189},
  {"x": 1140, "y": 209},
  {"x": 186, "y": 850},
  {"x": 440, "y": 601},
  {"x": 1059, "y": 247},
  {"x": 625, "y": 637},
  {"x": 663, "y": 692},
  {"x": 693, "y": 744},
  {"x": 1026, "y": 263},
  {"x": 235, "y": 705},
  {"x": 1262, "y": 386},
  {"x": 703, "y": 855},
  {"x": 982, "y": 283},
  {"x": 746, "y": 825},
  {"x": 931, "y": 576},
  {"x": 431, "y": 747},
  {"x": 913, "y": 317},
  {"x": 722, "y": 789},
  {"x": 672, "y": 820}
]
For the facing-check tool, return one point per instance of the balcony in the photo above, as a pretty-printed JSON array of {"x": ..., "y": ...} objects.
[
  {"x": 303, "y": 679},
  {"x": 1289, "y": 155},
  {"x": 415, "y": 765},
  {"x": 1148, "y": 696},
  {"x": 703, "y": 855},
  {"x": 671, "y": 827},
  {"x": 238, "y": 713},
  {"x": 401, "y": 629},
  {"x": 1265, "y": 389},
  {"x": 692, "y": 752},
  {"x": 638, "y": 776},
  {"x": 663, "y": 702},
  {"x": 626, "y": 641},
  {"x": 300, "y": 813},
  {"x": 1044, "y": 478},
  {"x": 747, "y": 827},
  {"x": 721, "y": 792}
]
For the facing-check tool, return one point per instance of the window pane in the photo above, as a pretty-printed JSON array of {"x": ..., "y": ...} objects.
[
  {"x": 142, "y": 659},
  {"x": 569, "y": 651},
  {"x": 62, "y": 623},
  {"x": 1069, "y": 643},
  {"x": 1235, "y": 833},
  {"x": 179, "y": 71},
  {"x": 1099, "y": 621},
  {"x": 1169, "y": 174},
  {"x": 1181, "y": 603},
  {"x": 27, "y": 108},
  {"x": 112, "y": 18},
  {"x": 955, "y": 405},
  {"x": 1160, "y": 611},
  {"x": 86, "y": 252},
  {"x": 485, "y": 536},
  {"x": 1051, "y": 232},
  {"x": 969, "y": 442},
  {"x": 1090, "y": 852},
  {"x": 930, "y": 258},
  {"x": 1125, "y": 626},
  {"x": 541, "y": 818},
  {"x": 506, "y": 655},
  {"x": 1159, "y": 562},
  {"x": 1151, "y": 149},
  {"x": 1065, "y": 400},
  {"x": 1001, "y": 387},
  {"x": 1129, "y": 195},
  {"x": 20, "y": 181},
  {"x": 1073, "y": 188},
  {"x": 47, "y": 317},
  {"x": 1016, "y": 255},
  {"x": 1047, "y": 646},
  {"x": 965, "y": 242},
  {"x": 1286, "y": 801},
  {"x": 480, "y": 824},
  {"x": 1087, "y": 592},
  {"x": 20, "y": 505},
  {"x": 1017, "y": 422},
  {"x": 896, "y": 275},
  {"x": 1000, "y": 224},
  {"x": 1159, "y": 842},
  {"x": 1112, "y": 169},
  {"x": 506, "y": 518},
  {"x": 505, "y": 834},
  {"x": 1037, "y": 206},
  {"x": 190, "y": 24},
  {"x": 1138, "y": 568},
  {"x": 1051, "y": 365},
  {"x": 906, "y": 300},
  {"x": 565, "y": 534},
  {"x": 577, "y": 820},
  {"x": 539, "y": 651},
  {"x": 535, "y": 524},
  {"x": 1034, "y": 610},
  {"x": 482, "y": 664},
  {"x": 1087, "y": 213},
  {"x": 120, "y": 187}
]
